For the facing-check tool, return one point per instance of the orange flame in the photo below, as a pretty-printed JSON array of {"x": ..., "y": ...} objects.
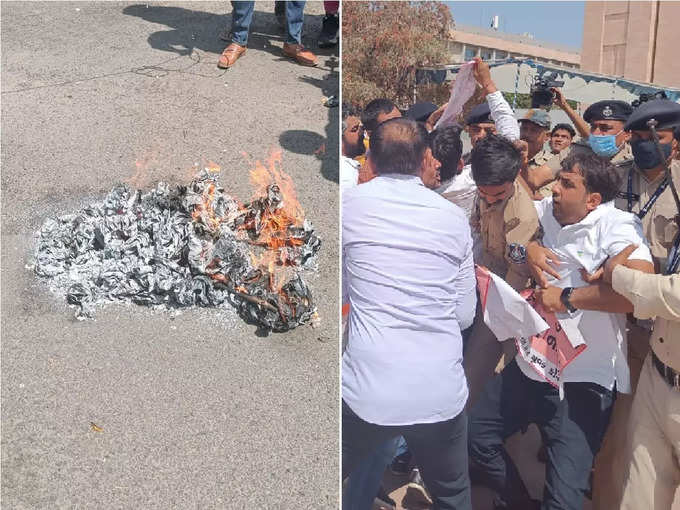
[
  {"x": 263, "y": 176},
  {"x": 274, "y": 223},
  {"x": 204, "y": 212},
  {"x": 274, "y": 233}
]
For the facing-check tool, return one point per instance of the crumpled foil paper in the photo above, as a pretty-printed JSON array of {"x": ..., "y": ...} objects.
[{"x": 165, "y": 248}]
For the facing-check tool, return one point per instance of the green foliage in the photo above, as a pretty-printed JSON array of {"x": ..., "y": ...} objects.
[{"x": 384, "y": 43}]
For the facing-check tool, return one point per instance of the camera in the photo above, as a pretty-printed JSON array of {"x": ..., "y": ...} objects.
[
  {"x": 648, "y": 97},
  {"x": 541, "y": 95}
]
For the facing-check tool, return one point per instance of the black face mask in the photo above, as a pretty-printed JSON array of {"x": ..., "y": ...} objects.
[{"x": 646, "y": 155}]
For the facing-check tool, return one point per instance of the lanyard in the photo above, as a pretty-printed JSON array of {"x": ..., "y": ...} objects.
[
  {"x": 673, "y": 260},
  {"x": 652, "y": 200}
]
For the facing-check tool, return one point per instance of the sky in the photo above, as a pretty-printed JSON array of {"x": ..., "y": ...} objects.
[{"x": 556, "y": 22}]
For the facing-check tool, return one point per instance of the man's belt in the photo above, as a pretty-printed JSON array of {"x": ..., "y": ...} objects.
[{"x": 667, "y": 373}]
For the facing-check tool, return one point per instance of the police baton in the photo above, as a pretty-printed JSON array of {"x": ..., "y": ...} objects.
[{"x": 651, "y": 124}]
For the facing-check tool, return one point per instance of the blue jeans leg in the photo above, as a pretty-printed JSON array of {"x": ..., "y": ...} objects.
[
  {"x": 364, "y": 482},
  {"x": 241, "y": 16},
  {"x": 294, "y": 14},
  {"x": 402, "y": 447}
]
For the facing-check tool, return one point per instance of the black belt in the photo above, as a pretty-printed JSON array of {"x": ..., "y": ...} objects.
[{"x": 667, "y": 373}]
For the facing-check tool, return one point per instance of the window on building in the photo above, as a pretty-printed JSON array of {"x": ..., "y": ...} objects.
[
  {"x": 501, "y": 54},
  {"x": 470, "y": 52},
  {"x": 486, "y": 54}
]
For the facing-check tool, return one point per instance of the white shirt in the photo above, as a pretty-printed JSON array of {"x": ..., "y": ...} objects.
[
  {"x": 407, "y": 256},
  {"x": 349, "y": 173},
  {"x": 604, "y": 232},
  {"x": 503, "y": 116},
  {"x": 461, "y": 188}
]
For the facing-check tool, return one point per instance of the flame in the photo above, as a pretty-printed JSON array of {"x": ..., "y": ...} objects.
[
  {"x": 143, "y": 166},
  {"x": 204, "y": 212},
  {"x": 263, "y": 176},
  {"x": 274, "y": 222}
]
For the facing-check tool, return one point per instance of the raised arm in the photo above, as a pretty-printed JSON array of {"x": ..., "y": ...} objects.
[
  {"x": 501, "y": 113},
  {"x": 581, "y": 125}
]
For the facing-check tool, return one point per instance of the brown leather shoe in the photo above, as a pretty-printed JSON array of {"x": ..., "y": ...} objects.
[
  {"x": 230, "y": 55},
  {"x": 299, "y": 53}
]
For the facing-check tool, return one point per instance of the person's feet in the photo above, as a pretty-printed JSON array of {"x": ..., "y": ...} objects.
[
  {"x": 329, "y": 31},
  {"x": 230, "y": 55},
  {"x": 300, "y": 54}
]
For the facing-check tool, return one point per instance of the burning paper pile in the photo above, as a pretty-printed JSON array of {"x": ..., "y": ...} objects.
[{"x": 193, "y": 245}]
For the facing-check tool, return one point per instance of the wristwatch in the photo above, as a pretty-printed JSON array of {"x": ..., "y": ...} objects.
[{"x": 565, "y": 299}]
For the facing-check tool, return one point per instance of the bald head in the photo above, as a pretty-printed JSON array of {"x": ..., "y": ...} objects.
[{"x": 398, "y": 147}]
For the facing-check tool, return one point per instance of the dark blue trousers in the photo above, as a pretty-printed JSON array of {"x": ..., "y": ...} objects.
[
  {"x": 572, "y": 431},
  {"x": 440, "y": 451}
]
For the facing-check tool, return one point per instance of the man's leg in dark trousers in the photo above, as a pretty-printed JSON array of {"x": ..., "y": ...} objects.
[
  {"x": 440, "y": 451},
  {"x": 360, "y": 439},
  {"x": 501, "y": 410},
  {"x": 572, "y": 430}
]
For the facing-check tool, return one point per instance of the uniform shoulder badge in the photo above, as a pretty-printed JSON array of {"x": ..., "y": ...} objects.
[{"x": 517, "y": 253}]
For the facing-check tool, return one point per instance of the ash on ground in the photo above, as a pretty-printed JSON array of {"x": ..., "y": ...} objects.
[{"x": 188, "y": 246}]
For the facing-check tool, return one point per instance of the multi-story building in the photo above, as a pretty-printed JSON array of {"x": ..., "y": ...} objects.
[
  {"x": 634, "y": 40},
  {"x": 468, "y": 42}
]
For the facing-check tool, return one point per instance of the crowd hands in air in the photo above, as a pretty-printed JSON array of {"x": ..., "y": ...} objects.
[{"x": 585, "y": 215}]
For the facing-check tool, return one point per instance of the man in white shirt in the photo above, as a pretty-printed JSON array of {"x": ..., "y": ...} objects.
[
  {"x": 407, "y": 255},
  {"x": 581, "y": 228}
]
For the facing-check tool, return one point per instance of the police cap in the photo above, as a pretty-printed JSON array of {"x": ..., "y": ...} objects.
[
  {"x": 608, "y": 110},
  {"x": 480, "y": 114},
  {"x": 664, "y": 111},
  {"x": 538, "y": 117},
  {"x": 420, "y": 111}
]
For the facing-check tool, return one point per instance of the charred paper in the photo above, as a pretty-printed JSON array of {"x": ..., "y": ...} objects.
[{"x": 188, "y": 246}]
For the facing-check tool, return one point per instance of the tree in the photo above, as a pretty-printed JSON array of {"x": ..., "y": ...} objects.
[{"x": 384, "y": 43}]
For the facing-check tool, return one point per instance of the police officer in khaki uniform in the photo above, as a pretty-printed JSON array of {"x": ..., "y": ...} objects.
[
  {"x": 607, "y": 138},
  {"x": 505, "y": 219},
  {"x": 647, "y": 193},
  {"x": 653, "y": 443},
  {"x": 534, "y": 129}
]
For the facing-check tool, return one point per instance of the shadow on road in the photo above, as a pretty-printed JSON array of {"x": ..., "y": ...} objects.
[
  {"x": 197, "y": 30},
  {"x": 308, "y": 142}
]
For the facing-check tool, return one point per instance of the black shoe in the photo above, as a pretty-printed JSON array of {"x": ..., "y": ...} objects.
[
  {"x": 384, "y": 500},
  {"x": 400, "y": 464},
  {"x": 329, "y": 31}
]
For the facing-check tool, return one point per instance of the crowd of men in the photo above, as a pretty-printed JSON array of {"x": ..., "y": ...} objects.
[{"x": 587, "y": 216}]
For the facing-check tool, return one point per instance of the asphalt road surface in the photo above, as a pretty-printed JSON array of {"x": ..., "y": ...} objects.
[{"x": 196, "y": 411}]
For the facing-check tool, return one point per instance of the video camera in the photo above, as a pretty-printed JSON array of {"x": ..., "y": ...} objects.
[
  {"x": 541, "y": 95},
  {"x": 648, "y": 97}
]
